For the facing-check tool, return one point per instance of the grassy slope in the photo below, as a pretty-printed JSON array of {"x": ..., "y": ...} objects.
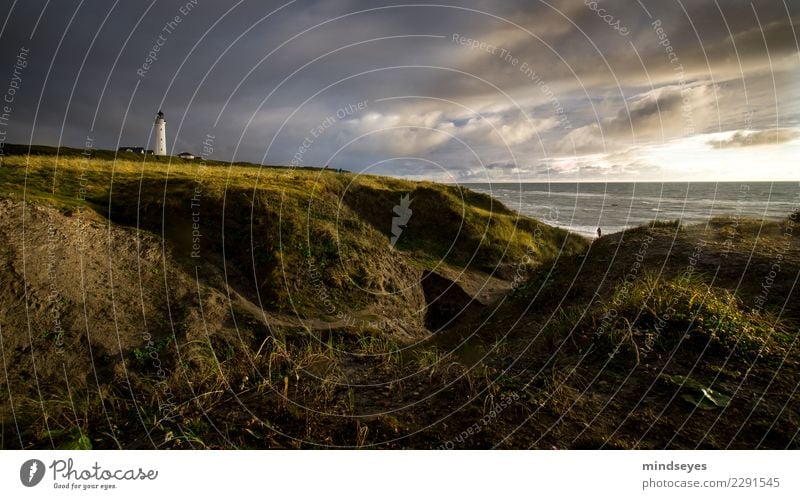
[
  {"x": 620, "y": 342},
  {"x": 290, "y": 244},
  {"x": 277, "y": 220},
  {"x": 545, "y": 360}
]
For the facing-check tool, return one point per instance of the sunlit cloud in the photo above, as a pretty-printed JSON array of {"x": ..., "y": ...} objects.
[{"x": 549, "y": 90}]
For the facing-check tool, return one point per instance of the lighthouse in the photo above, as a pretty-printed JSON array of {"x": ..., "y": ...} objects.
[{"x": 161, "y": 135}]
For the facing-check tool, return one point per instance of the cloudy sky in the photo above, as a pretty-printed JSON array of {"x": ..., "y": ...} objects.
[{"x": 466, "y": 91}]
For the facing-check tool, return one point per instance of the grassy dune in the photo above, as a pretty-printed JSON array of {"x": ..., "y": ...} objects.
[
  {"x": 216, "y": 306},
  {"x": 274, "y": 221}
]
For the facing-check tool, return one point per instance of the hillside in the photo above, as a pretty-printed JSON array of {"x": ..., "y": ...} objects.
[
  {"x": 187, "y": 262},
  {"x": 174, "y": 304}
]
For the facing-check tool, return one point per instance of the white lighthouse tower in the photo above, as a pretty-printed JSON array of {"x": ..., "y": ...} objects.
[{"x": 161, "y": 135}]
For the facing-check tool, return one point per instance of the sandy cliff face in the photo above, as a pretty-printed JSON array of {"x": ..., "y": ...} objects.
[
  {"x": 90, "y": 308},
  {"x": 85, "y": 302}
]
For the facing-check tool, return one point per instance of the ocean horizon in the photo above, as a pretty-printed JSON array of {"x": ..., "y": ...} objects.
[{"x": 582, "y": 207}]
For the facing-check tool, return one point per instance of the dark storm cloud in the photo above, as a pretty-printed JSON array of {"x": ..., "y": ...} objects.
[{"x": 562, "y": 78}]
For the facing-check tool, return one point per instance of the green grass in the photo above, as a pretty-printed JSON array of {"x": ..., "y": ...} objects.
[
  {"x": 668, "y": 224},
  {"x": 277, "y": 223},
  {"x": 683, "y": 313},
  {"x": 281, "y": 219}
]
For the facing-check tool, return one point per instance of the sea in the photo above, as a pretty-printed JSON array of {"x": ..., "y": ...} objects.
[{"x": 616, "y": 206}]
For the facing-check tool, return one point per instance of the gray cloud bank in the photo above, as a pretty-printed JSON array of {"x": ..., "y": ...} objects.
[{"x": 473, "y": 91}]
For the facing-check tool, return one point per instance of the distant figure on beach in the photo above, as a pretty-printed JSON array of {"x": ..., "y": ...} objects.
[{"x": 599, "y": 232}]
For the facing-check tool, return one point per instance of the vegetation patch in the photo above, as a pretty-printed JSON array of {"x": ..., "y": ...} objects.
[{"x": 661, "y": 315}]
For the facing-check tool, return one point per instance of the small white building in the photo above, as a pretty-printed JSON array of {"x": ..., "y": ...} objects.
[
  {"x": 161, "y": 135},
  {"x": 186, "y": 155}
]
